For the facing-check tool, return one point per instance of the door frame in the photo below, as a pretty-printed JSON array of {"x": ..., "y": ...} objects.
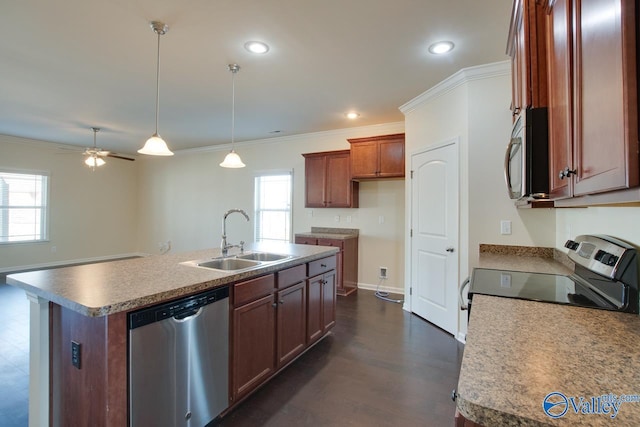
[{"x": 408, "y": 300}]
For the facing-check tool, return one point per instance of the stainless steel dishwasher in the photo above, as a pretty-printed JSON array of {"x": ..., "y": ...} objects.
[{"x": 179, "y": 361}]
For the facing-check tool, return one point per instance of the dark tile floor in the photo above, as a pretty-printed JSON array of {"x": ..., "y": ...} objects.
[
  {"x": 381, "y": 366},
  {"x": 14, "y": 356}
]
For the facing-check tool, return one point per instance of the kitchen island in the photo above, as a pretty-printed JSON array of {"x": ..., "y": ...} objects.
[{"x": 89, "y": 304}]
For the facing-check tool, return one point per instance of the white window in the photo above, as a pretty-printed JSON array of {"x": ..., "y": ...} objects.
[
  {"x": 23, "y": 207},
  {"x": 273, "y": 206}
]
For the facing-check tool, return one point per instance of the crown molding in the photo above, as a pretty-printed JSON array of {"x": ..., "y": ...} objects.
[{"x": 461, "y": 77}]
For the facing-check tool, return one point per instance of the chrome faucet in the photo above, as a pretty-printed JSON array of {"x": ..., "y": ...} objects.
[{"x": 224, "y": 246}]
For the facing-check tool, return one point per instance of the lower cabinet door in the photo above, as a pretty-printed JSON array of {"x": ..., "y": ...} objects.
[
  {"x": 328, "y": 300},
  {"x": 291, "y": 322},
  {"x": 314, "y": 308},
  {"x": 253, "y": 344}
]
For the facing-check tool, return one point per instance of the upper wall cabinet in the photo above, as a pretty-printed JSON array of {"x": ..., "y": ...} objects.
[
  {"x": 328, "y": 180},
  {"x": 593, "y": 113},
  {"x": 377, "y": 157},
  {"x": 527, "y": 48}
]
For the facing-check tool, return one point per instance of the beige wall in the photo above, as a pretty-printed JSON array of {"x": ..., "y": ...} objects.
[
  {"x": 182, "y": 200},
  {"x": 93, "y": 215},
  {"x": 621, "y": 222}
]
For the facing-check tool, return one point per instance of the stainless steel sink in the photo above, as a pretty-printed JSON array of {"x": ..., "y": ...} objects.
[
  {"x": 228, "y": 264},
  {"x": 263, "y": 256},
  {"x": 240, "y": 261}
]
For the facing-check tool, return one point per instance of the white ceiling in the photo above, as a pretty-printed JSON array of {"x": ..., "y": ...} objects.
[{"x": 68, "y": 65}]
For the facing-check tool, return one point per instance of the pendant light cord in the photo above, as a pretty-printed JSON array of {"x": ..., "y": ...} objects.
[
  {"x": 233, "y": 107},
  {"x": 158, "y": 83}
]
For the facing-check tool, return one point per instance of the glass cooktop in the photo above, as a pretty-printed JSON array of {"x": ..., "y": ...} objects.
[{"x": 554, "y": 288}]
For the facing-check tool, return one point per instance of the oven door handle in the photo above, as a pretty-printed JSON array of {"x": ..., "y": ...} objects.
[{"x": 463, "y": 306}]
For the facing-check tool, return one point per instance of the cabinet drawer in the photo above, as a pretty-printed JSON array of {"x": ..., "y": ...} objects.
[
  {"x": 336, "y": 243},
  {"x": 250, "y": 290},
  {"x": 291, "y": 276},
  {"x": 322, "y": 265},
  {"x": 306, "y": 240}
]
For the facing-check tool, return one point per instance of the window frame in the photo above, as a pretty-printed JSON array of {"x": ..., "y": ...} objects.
[
  {"x": 44, "y": 206},
  {"x": 256, "y": 211}
]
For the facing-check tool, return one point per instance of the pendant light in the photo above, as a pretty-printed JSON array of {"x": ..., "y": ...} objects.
[
  {"x": 94, "y": 160},
  {"x": 232, "y": 160},
  {"x": 155, "y": 146}
]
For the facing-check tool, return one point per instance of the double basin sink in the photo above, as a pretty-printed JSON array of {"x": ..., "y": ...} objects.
[{"x": 242, "y": 261}]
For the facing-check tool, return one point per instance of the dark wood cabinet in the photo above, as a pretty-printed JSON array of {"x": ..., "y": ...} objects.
[
  {"x": 321, "y": 307},
  {"x": 377, "y": 157},
  {"x": 461, "y": 421},
  {"x": 291, "y": 322},
  {"x": 559, "y": 36},
  {"x": 270, "y": 321},
  {"x": 328, "y": 181},
  {"x": 346, "y": 261},
  {"x": 253, "y": 336},
  {"x": 527, "y": 48},
  {"x": 593, "y": 125}
]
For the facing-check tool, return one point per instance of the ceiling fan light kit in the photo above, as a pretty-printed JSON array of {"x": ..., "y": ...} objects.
[
  {"x": 94, "y": 160},
  {"x": 232, "y": 160},
  {"x": 155, "y": 146}
]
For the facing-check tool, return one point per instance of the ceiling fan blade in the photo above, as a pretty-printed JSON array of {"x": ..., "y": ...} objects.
[
  {"x": 118, "y": 156},
  {"x": 103, "y": 152}
]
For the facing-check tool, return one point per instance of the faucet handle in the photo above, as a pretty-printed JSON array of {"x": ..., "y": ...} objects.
[{"x": 241, "y": 246}]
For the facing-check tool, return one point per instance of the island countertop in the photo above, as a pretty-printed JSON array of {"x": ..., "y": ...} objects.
[
  {"x": 517, "y": 352},
  {"x": 106, "y": 288}
]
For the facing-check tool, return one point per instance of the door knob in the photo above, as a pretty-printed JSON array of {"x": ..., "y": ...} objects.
[{"x": 449, "y": 249}]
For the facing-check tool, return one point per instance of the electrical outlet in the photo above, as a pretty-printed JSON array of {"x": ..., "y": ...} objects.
[
  {"x": 505, "y": 280},
  {"x": 383, "y": 272},
  {"x": 505, "y": 226},
  {"x": 75, "y": 354}
]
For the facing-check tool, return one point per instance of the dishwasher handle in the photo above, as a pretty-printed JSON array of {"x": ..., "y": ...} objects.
[{"x": 185, "y": 315}]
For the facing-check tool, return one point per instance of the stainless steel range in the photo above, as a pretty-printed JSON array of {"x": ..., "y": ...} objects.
[{"x": 605, "y": 277}]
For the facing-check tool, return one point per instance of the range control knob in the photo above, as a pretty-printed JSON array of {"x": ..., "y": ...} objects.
[
  {"x": 606, "y": 258},
  {"x": 571, "y": 245}
]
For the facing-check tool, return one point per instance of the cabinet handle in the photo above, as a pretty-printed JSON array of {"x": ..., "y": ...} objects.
[
  {"x": 281, "y": 301},
  {"x": 323, "y": 265},
  {"x": 274, "y": 305},
  {"x": 566, "y": 173},
  {"x": 449, "y": 249}
]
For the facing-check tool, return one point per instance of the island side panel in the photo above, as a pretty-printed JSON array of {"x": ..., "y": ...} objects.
[{"x": 96, "y": 392}]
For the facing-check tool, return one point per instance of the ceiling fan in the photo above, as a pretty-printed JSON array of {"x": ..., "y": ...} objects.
[{"x": 95, "y": 155}]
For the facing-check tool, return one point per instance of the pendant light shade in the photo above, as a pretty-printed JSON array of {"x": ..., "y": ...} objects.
[
  {"x": 155, "y": 146},
  {"x": 232, "y": 160}
]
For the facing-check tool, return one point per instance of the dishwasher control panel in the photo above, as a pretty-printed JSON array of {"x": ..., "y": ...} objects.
[{"x": 181, "y": 308}]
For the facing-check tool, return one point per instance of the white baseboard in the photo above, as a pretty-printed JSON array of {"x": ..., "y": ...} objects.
[
  {"x": 70, "y": 262},
  {"x": 390, "y": 289}
]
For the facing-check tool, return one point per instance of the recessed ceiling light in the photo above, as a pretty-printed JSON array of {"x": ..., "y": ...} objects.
[
  {"x": 256, "y": 47},
  {"x": 352, "y": 115},
  {"x": 441, "y": 47}
]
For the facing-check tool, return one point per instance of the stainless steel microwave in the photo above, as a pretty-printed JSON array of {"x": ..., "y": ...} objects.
[{"x": 526, "y": 162}]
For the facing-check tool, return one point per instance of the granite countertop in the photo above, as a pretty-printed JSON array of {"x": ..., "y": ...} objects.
[
  {"x": 110, "y": 287},
  {"x": 330, "y": 233},
  {"x": 517, "y": 352}
]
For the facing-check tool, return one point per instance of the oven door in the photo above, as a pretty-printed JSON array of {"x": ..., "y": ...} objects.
[{"x": 514, "y": 161}]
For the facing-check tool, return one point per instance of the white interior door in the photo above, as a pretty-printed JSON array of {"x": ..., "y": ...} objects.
[{"x": 434, "y": 242}]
